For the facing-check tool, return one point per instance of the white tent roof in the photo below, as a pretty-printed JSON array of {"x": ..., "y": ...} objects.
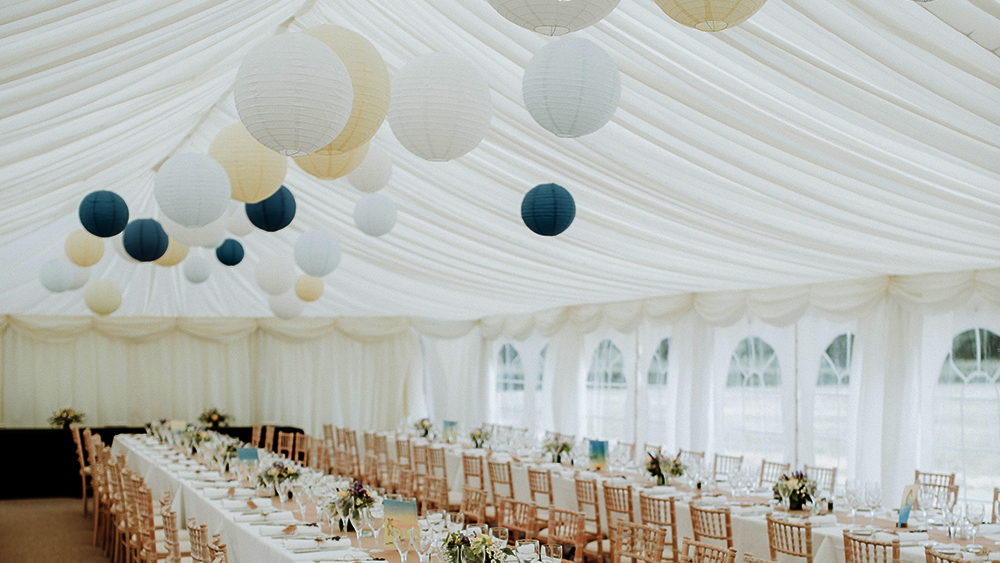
[{"x": 818, "y": 141}]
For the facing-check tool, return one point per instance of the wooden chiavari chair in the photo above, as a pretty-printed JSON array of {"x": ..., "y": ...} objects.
[
  {"x": 771, "y": 471},
  {"x": 540, "y": 485},
  {"x": 588, "y": 503},
  {"x": 269, "y": 438},
  {"x": 714, "y": 523},
  {"x": 867, "y": 550},
  {"x": 382, "y": 462},
  {"x": 725, "y": 465},
  {"x": 153, "y": 543},
  {"x": 749, "y": 558},
  {"x": 638, "y": 542},
  {"x": 85, "y": 471},
  {"x": 286, "y": 444},
  {"x": 517, "y": 516},
  {"x": 790, "y": 538},
  {"x": 217, "y": 550},
  {"x": 369, "y": 471},
  {"x": 199, "y": 541},
  {"x": 660, "y": 511},
  {"x": 255, "y": 435},
  {"x": 329, "y": 437},
  {"x": 473, "y": 505},
  {"x": 931, "y": 556},
  {"x": 407, "y": 484},
  {"x": 353, "y": 454},
  {"x": 434, "y": 493},
  {"x": 303, "y": 443},
  {"x": 472, "y": 468},
  {"x": 173, "y": 540},
  {"x": 565, "y": 527},
  {"x": 403, "y": 454},
  {"x": 937, "y": 482},
  {"x": 996, "y": 504},
  {"x": 618, "y": 503},
  {"x": 825, "y": 477},
  {"x": 689, "y": 457},
  {"x": 501, "y": 480},
  {"x": 98, "y": 478},
  {"x": 421, "y": 461},
  {"x": 697, "y": 552}
]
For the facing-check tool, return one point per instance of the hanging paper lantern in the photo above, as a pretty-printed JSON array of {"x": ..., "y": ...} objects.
[
  {"x": 239, "y": 224},
  {"x": 196, "y": 268},
  {"x": 103, "y": 296},
  {"x": 293, "y": 94},
  {"x": 145, "y": 240},
  {"x": 286, "y": 306},
  {"x": 176, "y": 252},
  {"x": 375, "y": 214},
  {"x": 80, "y": 277},
  {"x": 548, "y": 209},
  {"x": 192, "y": 189},
  {"x": 369, "y": 78},
  {"x": 199, "y": 236},
  {"x": 328, "y": 165},
  {"x": 230, "y": 252},
  {"x": 255, "y": 171},
  {"x": 554, "y": 17},
  {"x": 83, "y": 248},
  {"x": 710, "y": 15},
  {"x": 275, "y": 273},
  {"x": 57, "y": 275},
  {"x": 373, "y": 173},
  {"x": 308, "y": 288},
  {"x": 571, "y": 87},
  {"x": 440, "y": 107},
  {"x": 103, "y": 213},
  {"x": 317, "y": 253},
  {"x": 274, "y": 213},
  {"x": 116, "y": 241}
]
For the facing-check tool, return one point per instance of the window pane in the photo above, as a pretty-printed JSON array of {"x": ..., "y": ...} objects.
[
  {"x": 752, "y": 402},
  {"x": 607, "y": 392},
  {"x": 657, "y": 400},
  {"x": 831, "y": 404},
  {"x": 510, "y": 386}
]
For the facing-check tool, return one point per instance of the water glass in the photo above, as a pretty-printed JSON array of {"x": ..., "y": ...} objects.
[
  {"x": 925, "y": 496},
  {"x": 974, "y": 514},
  {"x": 873, "y": 498},
  {"x": 423, "y": 541},
  {"x": 500, "y": 534},
  {"x": 526, "y": 550},
  {"x": 552, "y": 553},
  {"x": 476, "y": 529},
  {"x": 455, "y": 521},
  {"x": 401, "y": 538}
]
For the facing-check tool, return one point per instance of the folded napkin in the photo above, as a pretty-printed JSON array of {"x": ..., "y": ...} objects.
[
  {"x": 823, "y": 520},
  {"x": 755, "y": 510},
  {"x": 336, "y": 555},
  {"x": 280, "y": 517},
  {"x": 249, "y": 518},
  {"x": 342, "y": 543},
  {"x": 550, "y": 465},
  {"x": 234, "y": 504},
  {"x": 710, "y": 501},
  {"x": 279, "y": 530},
  {"x": 259, "y": 502},
  {"x": 238, "y": 493},
  {"x": 905, "y": 538},
  {"x": 662, "y": 489}
]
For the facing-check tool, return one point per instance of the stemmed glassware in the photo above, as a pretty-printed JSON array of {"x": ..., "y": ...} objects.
[
  {"x": 455, "y": 521},
  {"x": 873, "y": 498},
  {"x": 299, "y": 496},
  {"x": 526, "y": 550},
  {"x": 500, "y": 534},
  {"x": 424, "y": 540},
  {"x": 551, "y": 553},
  {"x": 974, "y": 514},
  {"x": 374, "y": 520},
  {"x": 925, "y": 496},
  {"x": 854, "y": 498},
  {"x": 401, "y": 538}
]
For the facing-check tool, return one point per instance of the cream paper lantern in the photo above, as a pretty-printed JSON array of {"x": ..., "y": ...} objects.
[
  {"x": 375, "y": 214},
  {"x": 192, "y": 189},
  {"x": 373, "y": 173},
  {"x": 440, "y": 107},
  {"x": 118, "y": 241},
  {"x": 554, "y": 17},
  {"x": 328, "y": 165},
  {"x": 239, "y": 224},
  {"x": 571, "y": 87},
  {"x": 255, "y": 171},
  {"x": 275, "y": 273},
  {"x": 370, "y": 79},
  {"x": 309, "y": 288},
  {"x": 83, "y": 248},
  {"x": 200, "y": 236},
  {"x": 293, "y": 94},
  {"x": 287, "y": 305},
  {"x": 196, "y": 268},
  {"x": 176, "y": 252},
  {"x": 80, "y": 277},
  {"x": 710, "y": 15},
  {"x": 57, "y": 275},
  {"x": 102, "y": 297},
  {"x": 317, "y": 253}
]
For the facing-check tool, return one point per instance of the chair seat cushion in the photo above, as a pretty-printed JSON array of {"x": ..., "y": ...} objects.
[{"x": 592, "y": 547}]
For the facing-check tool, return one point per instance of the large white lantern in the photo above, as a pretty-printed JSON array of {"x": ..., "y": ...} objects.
[
  {"x": 287, "y": 305},
  {"x": 440, "y": 107},
  {"x": 58, "y": 275},
  {"x": 373, "y": 173},
  {"x": 195, "y": 237},
  {"x": 329, "y": 165},
  {"x": 710, "y": 15},
  {"x": 119, "y": 244},
  {"x": 196, "y": 268},
  {"x": 554, "y": 17},
  {"x": 103, "y": 297},
  {"x": 375, "y": 214},
  {"x": 293, "y": 94},
  {"x": 571, "y": 87},
  {"x": 255, "y": 171},
  {"x": 317, "y": 253},
  {"x": 80, "y": 277},
  {"x": 192, "y": 189},
  {"x": 276, "y": 273}
]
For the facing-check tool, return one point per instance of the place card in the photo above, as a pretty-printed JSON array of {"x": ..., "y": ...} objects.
[
  {"x": 398, "y": 515},
  {"x": 909, "y": 497},
  {"x": 598, "y": 455},
  {"x": 449, "y": 432},
  {"x": 247, "y": 454}
]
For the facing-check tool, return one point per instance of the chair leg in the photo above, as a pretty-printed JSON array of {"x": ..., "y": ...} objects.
[{"x": 83, "y": 482}]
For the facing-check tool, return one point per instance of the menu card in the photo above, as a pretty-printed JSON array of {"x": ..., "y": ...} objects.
[
  {"x": 598, "y": 455},
  {"x": 400, "y": 515}
]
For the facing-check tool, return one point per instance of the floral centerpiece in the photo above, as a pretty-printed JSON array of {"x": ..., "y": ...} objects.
[
  {"x": 657, "y": 464},
  {"x": 193, "y": 437},
  {"x": 277, "y": 474},
  {"x": 423, "y": 426},
  {"x": 213, "y": 418},
  {"x": 63, "y": 417},
  {"x": 479, "y": 437},
  {"x": 350, "y": 503},
  {"x": 557, "y": 447},
  {"x": 480, "y": 548},
  {"x": 797, "y": 488}
]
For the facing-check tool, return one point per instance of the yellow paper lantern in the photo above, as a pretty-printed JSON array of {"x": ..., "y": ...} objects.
[
  {"x": 103, "y": 297},
  {"x": 176, "y": 252},
  {"x": 328, "y": 165},
  {"x": 370, "y": 79},
  {"x": 308, "y": 288},
  {"x": 255, "y": 171},
  {"x": 710, "y": 15},
  {"x": 83, "y": 248}
]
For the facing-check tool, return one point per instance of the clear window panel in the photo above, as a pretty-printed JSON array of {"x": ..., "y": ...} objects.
[
  {"x": 607, "y": 393},
  {"x": 752, "y": 402}
]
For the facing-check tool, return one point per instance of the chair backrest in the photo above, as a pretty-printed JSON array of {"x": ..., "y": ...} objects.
[
  {"x": 867, "y": 550},
  {"x": 567, "y": 527},
  {"x": 351, "y": 438},
  {"x": 587, "y": 501},
  {"x": 80, "y": 456},
  {"x": 825, "y": 477},
  {"x": 474, "y": 505},
  {"x": 217, "y": 550},
  {"x": 618, "y": 503},
  {"x": 725, "y": 465},
  {"x": 403, "y": 451},
  {"x": 517, "y": 516},
  {"x": 697, "y": 552},
  {"x": 501, "y": 480},
  {"x": 714, "y": 523},
  {"x": 171, "y": 537},
  {"x": 198, "y": 536},
  {"x": 303, "y": 443},
  {"x": 689, "y": 457},
  {"x": 329, "y": 437},
  {"x": 438, "y": 463},
  {"x": 771, "y": 471},
  {"x": 369, "y": 439},
  {"x": 638, "y": 542},
  {"x": 789, "y": 538},
  {"x": 472, "y": 468},
  {"x": 932, "y": 556},
  {"x": 660, "y": 511},
  {"x": 540, "y": 484},
  {"x": 938, "y": 482},
  {"x": 286, "y": 443},
  {"x": 996, "y": 504},
  {"x": 629, "y": 448},
  {"x": 269, "y": 438},
  {"x": 421, "y": 461},
  {"x": 255, "y": 436},
  {"x": 435, "y": 492}
]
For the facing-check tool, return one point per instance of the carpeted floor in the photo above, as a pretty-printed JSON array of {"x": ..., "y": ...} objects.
[{"x": 47, "y": 530}]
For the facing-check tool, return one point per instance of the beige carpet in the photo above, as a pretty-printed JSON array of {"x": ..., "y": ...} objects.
[{"x": 51, "y": 530}]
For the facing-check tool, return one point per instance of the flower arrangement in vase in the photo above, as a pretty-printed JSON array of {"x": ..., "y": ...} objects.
[
  {"x": 479, "y": 437},
  {"x": 65, "y": 416},
  {"x": 423, "y": 426},
  {"x": 557, "y": 447},
  {"x": 658, "y": 463},
  {"x": 276, "y": 476},
  {"x": 351, "y": 503},
  {"x": 797, "y": 488},
  {"x": 214, "y": 419},
  {"x": 478, "y": 548}
]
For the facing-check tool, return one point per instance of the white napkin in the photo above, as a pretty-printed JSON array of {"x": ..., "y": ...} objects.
[
  {"x": 823, "y": 520},
  {"x": 342, "y": 543},
  {"x": 261, "y": 502},
  {"x": 750, "y": 510},
  {"x": 710, "y": 501},
  {"x": 912, "y": 538},
  {"x": 338, "y": 555},
  {"x": 248, "y": 518},
  {"x": 280, "y": 517},
  {"x": 662, "y": 490},
  {"x": 278, "y": 531},
  {"x": 239, "y": 493},
  {"x": 234, "y": 504}
]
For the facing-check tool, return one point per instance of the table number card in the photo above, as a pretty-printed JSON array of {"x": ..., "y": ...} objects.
[
  {"x": 909, "y": 497},
  {"x": 449, "y": 433},
  {"x": 247, "y": 455},
  {"x": 400, "y": 515},
  {"x": 598, "y": 455}
]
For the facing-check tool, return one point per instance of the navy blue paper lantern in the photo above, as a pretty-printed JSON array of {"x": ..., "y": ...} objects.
[
  {"x": 103, "y": 213},
  {"x": 548, "y": 209},
  {"x": 145, "y": 240},
  {"x": 274, "y": 213},
  {"x": 230, "y": 252}
]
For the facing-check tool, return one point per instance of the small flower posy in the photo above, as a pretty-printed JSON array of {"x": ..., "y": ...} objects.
[
  {"x": 65, "y": 416},
  {"x": 798, "y": 488},
  {"x": 557, "y": 446},
  {"x": 658, "y": 463},
  {"x": 423, "y": 426},
  {"x": 351, "y": 501},
  {"x": 479, "y": 437},
  {"x": 479, "y": 548},
  {"x": 277, "y": 473},
  {"x": 212, "y": 417}
]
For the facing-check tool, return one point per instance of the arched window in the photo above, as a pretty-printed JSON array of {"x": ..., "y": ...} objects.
[
  {"x": 543, "y": 403},
  {"x": 967, "y": 413},
  {"x": 831, "y": 414},
  {"x": 657, "y": 399},
  {"x": 752, "y": 402},
  {"x": 607, "y": 393},
  {"x": 510, "y": 386}
]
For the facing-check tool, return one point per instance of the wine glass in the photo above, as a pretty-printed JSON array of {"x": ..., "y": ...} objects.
[
  {"x": 476, "y": 529},
  {"x": 424, "y": 540},
  {"x": 974, "y": 514},
  {"x": 551, "y": 553},
  {"x": 375, "y": 521},
  {"x": 526, "y": 550},
  {"x": 925, "y": 496},
  {"x": 401, "y": 538},
  {"x": 299, "y": 496},
  {"x": 873, "y": 498},
  {"x": 455, "y": 521},
  {"x": 854, "y": 495},
  {"x": 500, "y": 534}
]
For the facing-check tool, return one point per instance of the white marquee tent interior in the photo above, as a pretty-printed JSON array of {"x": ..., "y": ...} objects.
[{"x": 785, "y": 246}]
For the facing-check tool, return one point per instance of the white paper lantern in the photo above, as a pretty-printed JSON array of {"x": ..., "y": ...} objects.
[
  {"x": 200, "y": 236},
  {"x": 554, "y": 17},
  {"x": 440, "y": 107},
  {"x": 571, "y": 87},
  {"x": 373, "y": 173},
  {"x": 103, "y": 297},
  {"x": 287, "y": 305},
  {"x": 239, "y": 224},
  {"x": 80, "y": 277},
  {"x": 58, "y": 275},
  {"x": 375, "y": 214},
  {"x": 119, "y": 244},
  {"x": 192, "y": 189},
  {"x": 196, "y": 268},
  {"x": 293, "y": 94},
  {"x": 276, "y": 273},
  {"x": 710, "y": 15},
  {"x": 317, "y": 253}
]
